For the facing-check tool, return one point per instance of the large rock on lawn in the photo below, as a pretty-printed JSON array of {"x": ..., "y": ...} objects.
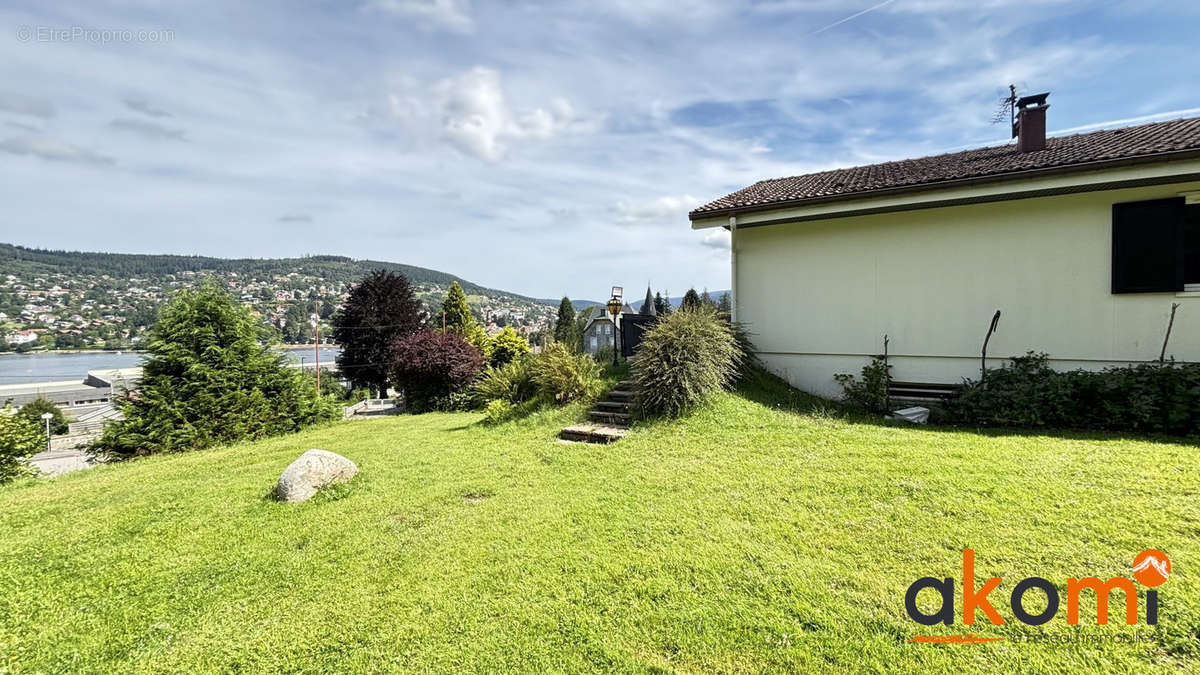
[{"x": 312, "y": 471}]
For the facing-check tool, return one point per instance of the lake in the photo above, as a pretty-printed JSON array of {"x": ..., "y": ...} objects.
[{"x": 50, "y": 366}]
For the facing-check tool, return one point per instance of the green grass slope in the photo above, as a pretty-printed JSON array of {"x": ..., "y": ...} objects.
[{"x": 759, "y": 534}]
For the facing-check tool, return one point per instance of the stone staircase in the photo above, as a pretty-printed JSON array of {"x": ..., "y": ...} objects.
[{"x": 608, "y": 421}]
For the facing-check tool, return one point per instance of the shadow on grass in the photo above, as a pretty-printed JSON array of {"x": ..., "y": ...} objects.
[{"x": 772, "y": 391}]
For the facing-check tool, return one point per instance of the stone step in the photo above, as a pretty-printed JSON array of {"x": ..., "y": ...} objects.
[
  {"x": 613, "y": 406},
  {"x": 592, "y": 433},
  {"x": 626, "y": 384},
  {"x": 620, "y": 395},
  {"x": 610, "y": 418}
]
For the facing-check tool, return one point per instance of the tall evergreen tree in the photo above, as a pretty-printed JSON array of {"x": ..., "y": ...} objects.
[
  {"x": 725, "y": 303},
  {"x": 210, "y": 380},
  {"x": 706, "y": 299},
  {"x": 456, "y": 317},
  {"x": 665, "y": 308},
  {"x": 380, "y": 308},
  {"x": 691, "y": 300},
  {"x": 564, "y": 326}
]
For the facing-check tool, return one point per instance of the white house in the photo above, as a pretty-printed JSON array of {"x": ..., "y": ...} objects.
[
  {"x": 21, "y": 337},
  {"x": 1082, "y": 242}
]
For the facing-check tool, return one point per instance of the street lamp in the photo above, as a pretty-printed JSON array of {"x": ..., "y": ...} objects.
[
  {"x": 46, "y": 417},
  {"x": 614, "y": 308},
  {"x": 315, "y": 320}
]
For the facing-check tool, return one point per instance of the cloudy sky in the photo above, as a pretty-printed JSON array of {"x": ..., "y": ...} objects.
[{"x": 539, "y": 147}]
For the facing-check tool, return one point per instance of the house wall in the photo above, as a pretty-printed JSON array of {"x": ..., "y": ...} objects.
[{"x": 820, "y": 295}]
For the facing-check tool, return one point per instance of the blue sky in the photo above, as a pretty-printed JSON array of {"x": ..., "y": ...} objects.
[{"x": 544, "y": 148}]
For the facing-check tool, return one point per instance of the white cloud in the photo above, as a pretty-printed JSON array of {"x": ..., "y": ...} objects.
[
  {"x": 53, "y": 150},
  {"x": 717, "y": 238},
  {"x": 25, "y": 105},
  {"x": 449, "y": 15},
  {"x": 666, "y": 210},
  {"x": 146, "y": 129},
  {"x": 143, "y": 106},
  {"x": 476, "y": 119}
]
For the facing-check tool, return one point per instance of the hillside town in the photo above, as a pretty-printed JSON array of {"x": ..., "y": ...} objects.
[{"x": 69, "y": 311}]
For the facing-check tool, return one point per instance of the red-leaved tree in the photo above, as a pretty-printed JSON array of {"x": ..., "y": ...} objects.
[{"x": 430, "y": 366}]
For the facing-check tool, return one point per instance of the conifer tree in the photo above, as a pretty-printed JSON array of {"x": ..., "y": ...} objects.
[
  {"x": 208, "y": 380},
  {"x": 691, "y": 300},
  {"x": 456, "y": 317},
  {"x": 564, "y": 326}
]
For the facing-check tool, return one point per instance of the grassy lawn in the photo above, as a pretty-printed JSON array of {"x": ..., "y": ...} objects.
[{"x": 761, "y": 533}]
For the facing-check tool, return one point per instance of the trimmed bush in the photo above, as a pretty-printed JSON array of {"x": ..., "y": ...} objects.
[
  {"x": 19, "y": 438},
  {"x": 433, "y": 369},
  {"x": 563, "y": 375},
  {"x": 1027, "y": 393},
  {"x": 683, "y": 359},
  {"x": 512, "y": 382}
]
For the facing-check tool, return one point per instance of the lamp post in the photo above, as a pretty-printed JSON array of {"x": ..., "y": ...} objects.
[
  {"x": 46, "y": 417},
  {"x": 614, "y": 308},
  {"x": 315, "y": 320}
]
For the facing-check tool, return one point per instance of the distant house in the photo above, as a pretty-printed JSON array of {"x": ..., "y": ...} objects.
[
  {"x": 1082, "y": 242},
  {"x": 598, "y": 334},
  {"x": 21, "y": 337}
]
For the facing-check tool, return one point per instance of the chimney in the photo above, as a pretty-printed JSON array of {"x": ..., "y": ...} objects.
[{"x": 1030, "y": 127}]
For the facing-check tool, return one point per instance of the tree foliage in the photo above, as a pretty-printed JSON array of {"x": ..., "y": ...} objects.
[
  {"x": 19, "y": 438},
  {"x": 431, "y": 366},
  {"x": 456, "y": 317},
  {"x": 209, "y": 380},
  {"x": 691, "y": 300},
  {"x": 662, "y": 306},
  {"x": 505, "y": 347},
  {"x": 34, "y": 410},
  {"x": 380, "y": 308},
  {"x": 565, "y": 330}
]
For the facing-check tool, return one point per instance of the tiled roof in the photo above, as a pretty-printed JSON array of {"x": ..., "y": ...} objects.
[{"x": 1080, "y": 152}]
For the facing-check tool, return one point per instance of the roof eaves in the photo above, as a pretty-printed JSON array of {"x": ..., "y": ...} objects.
[{"x": 1010, "y": 176}]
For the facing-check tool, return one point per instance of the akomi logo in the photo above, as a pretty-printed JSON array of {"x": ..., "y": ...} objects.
[{"x": 1151, "y": 568}]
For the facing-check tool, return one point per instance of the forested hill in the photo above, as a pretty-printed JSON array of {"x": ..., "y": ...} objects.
[{"x": 23, "y": 262}]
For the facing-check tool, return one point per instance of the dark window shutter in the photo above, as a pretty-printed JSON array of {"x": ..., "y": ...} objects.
[
  {"x": 1147, "y": 246},
  {"x": 1191, "y": 245}
]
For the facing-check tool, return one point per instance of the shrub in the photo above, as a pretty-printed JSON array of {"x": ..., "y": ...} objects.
[
  {"x": 871, "y": 392},
  {"x": 209, "y": 380},
  {"x": 506, "y": 346},
  {"x": 34, "y": 410},
  {"x": 430, "y": 367},
  {"x": 19, "y": 438},
  {"x": 513, "y": 382},
  {"x": 604, "y": 355},
  {"x": 1028, "y": 393},
  {"x": 683, "y": 359},
  {"x": 563, "y": 375},
  {"x": 498, "y": 411}
]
